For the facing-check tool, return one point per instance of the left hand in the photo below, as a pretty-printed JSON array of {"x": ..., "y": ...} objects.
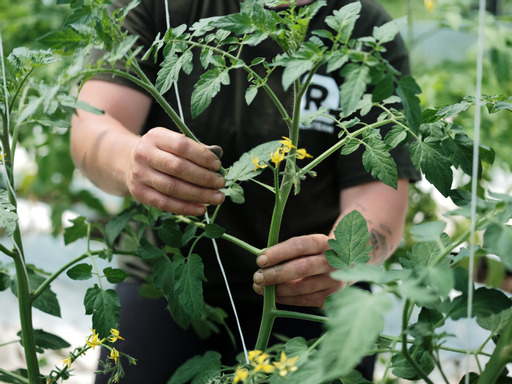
[{"x": 299, "y": 270}]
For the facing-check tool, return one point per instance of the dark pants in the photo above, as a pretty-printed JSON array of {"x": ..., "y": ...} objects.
[{"x": 160, "y": 346}]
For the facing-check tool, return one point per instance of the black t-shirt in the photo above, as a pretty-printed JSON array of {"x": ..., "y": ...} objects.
[{"x": 237, "y": 128}]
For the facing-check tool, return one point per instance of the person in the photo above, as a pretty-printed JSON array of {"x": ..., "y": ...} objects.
[{"x": 134, "y": 149}]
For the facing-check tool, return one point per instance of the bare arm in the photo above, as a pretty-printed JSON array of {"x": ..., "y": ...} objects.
[
  {"x": 161, "y": 168},
  {"x": 298, "y": 266}
]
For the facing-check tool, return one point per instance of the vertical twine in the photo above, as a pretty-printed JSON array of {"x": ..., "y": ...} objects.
[{"x": 476, "y": 133}]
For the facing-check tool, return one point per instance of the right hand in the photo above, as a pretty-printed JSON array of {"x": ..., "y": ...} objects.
[{"x": 174, "y": 173}]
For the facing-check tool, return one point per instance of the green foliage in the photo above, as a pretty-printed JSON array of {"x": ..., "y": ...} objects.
[
  {"x": 426, "y": 274},
  {"x": 350, "y": 243},
  {"x": 104, "y": 307}
]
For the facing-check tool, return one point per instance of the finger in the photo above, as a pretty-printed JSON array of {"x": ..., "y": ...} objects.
[
  {"x": 293, "y": 248},
  {"x": 176, "y": 188},
  {"x": 150, "y": 196},
  {"x": 183, "y": 169},
  {"x": 292, "y": 270},
  {"x": 316, "y": 299},
  {"x": 186, "y": 148},
  {"x": 307, "y": 286}
]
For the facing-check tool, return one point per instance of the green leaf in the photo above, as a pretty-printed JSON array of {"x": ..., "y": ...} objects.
[
  {"x": 486, "y": 302},
  {"x": 65, "y": 40},
  {"x": 235, "y": 192},
  {"x": 395, "y": 137},
  {"x": 454, "y": 109},
  {"x": 8, "y": 216},
  {"x": 430, "y": 231},
  {"x": 164, "y": 278},
  {"x": 460, "y": 150},
  {"x": 350, "y": 242},
  {"x": 170, "y": 234},
  {"x": 344, "y": 20},
  {"x": 429, "y": 156},
  {"x": 336, "y": 59},
  {"x": 150, "y": 252},
  {"x": 495, "y": 322},
  {"x": 171, "y": 67},
  {"x": 355, "y": 320},
  {"x": 189, "y": 285},
  {"x": 45, "y": 340},
  {"x": 402, "y": 368},
  {"x": 360, "y": 272},
  {"x": 78, "y": 230},
  {"x": 114, "y": 227},
  {"x": 238, "y": 23},
  {"x": 387, "y": 32},
  {"x": 197, "y": 369},
  {"x": 424, "y": 252},
  {"x": 407, "y": 90},
  {"x": 243, "y": 168},
  {"x": 250, "y": 94},
  {"x": 115, "y": 275},
  {"x": 47, "y": 301},
  {"x": 294, "y": 69},
  {"x": 104, "y": 306},
  {"x": 378, "y": 161},
  {"x": 498, "y": 240},
  {"x": 80, "y": 272},
  {"x": 5, "y": 281},
  {"x": 206, "y": 89},
  {"x": 213, "y": 231},
  {"x": 352, "y": 90}
]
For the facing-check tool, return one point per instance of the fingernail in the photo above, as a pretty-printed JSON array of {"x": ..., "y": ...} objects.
[
  {"x": 218, "y": 198},
  {"x": 216, "y": 164},
  {"x": 258, "y": 278},
  {"x": 220, "y": 182},
  {"x": 262, "y": 260}
]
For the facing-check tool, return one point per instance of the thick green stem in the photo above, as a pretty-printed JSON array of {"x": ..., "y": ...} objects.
[
  {"x": 27, "y": 329},
  {"x": 501, "y": 356},
  {"x": 282, "y": 193}
]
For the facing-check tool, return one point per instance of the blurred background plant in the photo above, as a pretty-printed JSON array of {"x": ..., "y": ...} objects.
[{"x": 44, "y": 167}]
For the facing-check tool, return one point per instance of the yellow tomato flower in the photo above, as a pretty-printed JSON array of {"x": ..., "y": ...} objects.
[
  {"x": 114, "y": 354},
  {"x": 93, "y": 340},
  {"x": 285, "y": 365},
  {"x": 302, "y": 154},
  {"x": 261, "y": 361},
  {"x": 277, "y": 156},
  {"x": 287, "y": 144},
  {"x": 256, "y": 161},
  {"x": 253, "y": 355},
  {"x": 67, "y": 361},
  {"x": 240, "y": 375},
  {"x": 430, "y": 5},
  {"x": 115, "y": 335}
]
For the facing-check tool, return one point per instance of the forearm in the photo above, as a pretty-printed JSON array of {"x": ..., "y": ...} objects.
[
  {"x": 101, "y": 147},
  {"x": 384, "y": 210}
]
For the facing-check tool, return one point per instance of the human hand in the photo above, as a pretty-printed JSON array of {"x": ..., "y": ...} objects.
[
  {"x": 299, "y": 270},
  {"x": 174, "y": 173}
]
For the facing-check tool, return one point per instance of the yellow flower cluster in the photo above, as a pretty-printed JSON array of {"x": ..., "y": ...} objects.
[
  {"x": 93, "y": 341},
  {"x": 261, "y": 364},
  {"x": 430, "y": 5},
  {"x": 278, "y": 156}
]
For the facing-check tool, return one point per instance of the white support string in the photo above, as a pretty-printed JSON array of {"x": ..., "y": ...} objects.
[
  {"x": 214, "y": 242},
  {"x": 476, "y": 139}
]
